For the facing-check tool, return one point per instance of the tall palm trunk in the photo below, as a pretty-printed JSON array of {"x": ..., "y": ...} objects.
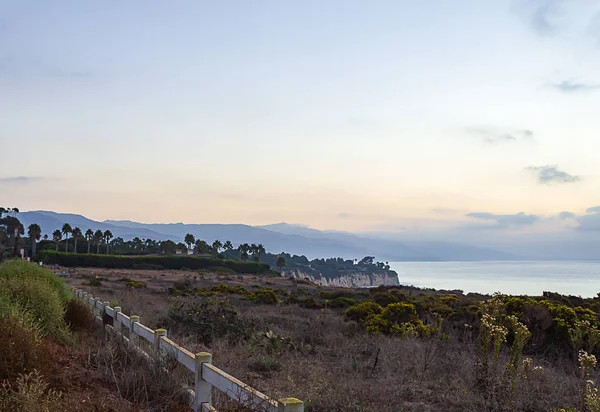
[
  {"x": 67, "y": 244},
  {"x": 107, "y": 245},
  {"x": 33, "y": 247},
  {"x": 57, "y": 246},
  {"x": 98, "y": 248},
  {"x": 75, "y": 251},
  {"x": 89, "y": 242}
]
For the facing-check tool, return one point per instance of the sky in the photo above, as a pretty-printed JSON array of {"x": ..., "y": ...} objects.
[{"x": 384, "y": 116}]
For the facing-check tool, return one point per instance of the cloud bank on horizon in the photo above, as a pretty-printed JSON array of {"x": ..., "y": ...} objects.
[{"x": 384, "y": 116}]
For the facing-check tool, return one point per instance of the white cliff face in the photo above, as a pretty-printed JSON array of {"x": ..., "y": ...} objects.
[{"x": 348, "y": 279}]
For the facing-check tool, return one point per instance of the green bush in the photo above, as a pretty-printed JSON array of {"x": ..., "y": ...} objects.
[
  {"x": 35, "y": 296},
  {"x": 174, "y": 262},
  {"x": 360, "y": 313},
  {"x": 208, "y": 319},
  {"x": 135, "y": 284},
  {"x": 399, "y": 313},
  {"x": 263, "y": 296},
  {"x": 310, "y": 303},
  {"x": 223, "y": 288},
  {"x": 342, "y": 303}
]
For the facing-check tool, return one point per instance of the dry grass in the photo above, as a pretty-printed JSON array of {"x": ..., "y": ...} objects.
[{"x": 332, "y": 364}]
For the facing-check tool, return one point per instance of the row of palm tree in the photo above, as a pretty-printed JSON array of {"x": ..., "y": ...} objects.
[
  {"x": 254, "y": 249},
  {"x": 201, "y": 246},
  {"x": 97, "y": 237},
  {"x": 245, "y": 249}
]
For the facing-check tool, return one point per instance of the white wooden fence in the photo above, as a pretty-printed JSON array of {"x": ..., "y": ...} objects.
[{"x": 207, "y": 376}]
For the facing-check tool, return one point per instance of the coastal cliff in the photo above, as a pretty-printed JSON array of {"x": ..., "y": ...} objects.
[{"x": 348, "y": 279}]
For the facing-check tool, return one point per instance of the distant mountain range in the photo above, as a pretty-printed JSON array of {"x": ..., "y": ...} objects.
[{"x": 280, "y": 237}]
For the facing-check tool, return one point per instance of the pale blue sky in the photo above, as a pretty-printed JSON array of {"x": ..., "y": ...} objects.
[{"x": 358, "y": 115}]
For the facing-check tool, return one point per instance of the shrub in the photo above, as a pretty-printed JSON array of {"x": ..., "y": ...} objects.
[
  {"x": 135, "y": 284},
  {"x": 342, "y": 303},
  {"x": 361, "y": 312},
  {"x": 264, "y": 365},
  {"x": 207, "y": 320},
  {"x": 310, "y": 303},
  {"x": 30, "y": 393},
  {"x": 399, "y": 313},
  {"x": 79, "y": 316},
  {"x": 147, "y": 266},
  {"x": 270, "y": 342},
  {"x": 174, "y": 262},
  {"x": 384, "y": 298},
  {"x": 263, "y": 296},
  {"x": 238, "y": 290},
  {"x": 22, "y": 348},
  {"x": 36, "y": 296},
  {"x": 94, "y": 282}
]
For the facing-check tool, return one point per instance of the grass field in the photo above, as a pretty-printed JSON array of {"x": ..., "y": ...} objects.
[{"x": 300, "y": 345}]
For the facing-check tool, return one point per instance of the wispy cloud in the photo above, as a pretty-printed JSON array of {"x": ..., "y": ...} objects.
[
  {"x": 541, "y": 15},
  {"x": 566, "y": 215},
  {"x": 591, "y": 220},
  {"x": 573, "y": 87},
  {"x": 493, "y": 136},
  {"x": 20, "y": 179},
  {"x": 518, "y": 219},
  {"x": 549, "y": 175}
]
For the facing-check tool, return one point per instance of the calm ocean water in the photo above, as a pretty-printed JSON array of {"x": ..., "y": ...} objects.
[{"x": 514, "y": 278}]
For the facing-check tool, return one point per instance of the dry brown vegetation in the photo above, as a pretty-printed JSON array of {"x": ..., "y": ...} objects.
[{"x": 318, "y": 356}]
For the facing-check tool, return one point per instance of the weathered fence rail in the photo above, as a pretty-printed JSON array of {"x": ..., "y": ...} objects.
[{"x": 206, "y": 375}]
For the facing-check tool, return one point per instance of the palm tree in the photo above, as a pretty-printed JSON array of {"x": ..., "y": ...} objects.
[
  {"x": 244, "y": 248},
  {"x": 66, "y": 229},
  {"x": 107, "y": 237},
  {"x": 57, "y": 237},
  {"x": 202, "y": 247},
  {"x": 280, "y": 263},
  {"x": 76, "y": 235},
  {"x": 98, "y": 235},
  {"x": 89, "y": 236},
  {"x": 35, "y": 233},
  {"x": 45, "y": 237},
  {"x": 217, "y": 245},
  {"x": 189, "y": 240},
  {"x": 227, "y": 246},
  {"x": 259, "y": 249}
]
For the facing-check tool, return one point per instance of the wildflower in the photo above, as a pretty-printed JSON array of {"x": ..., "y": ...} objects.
[
  {"x": 587, "y": 362},
  {"x": 537, "y": 369}
]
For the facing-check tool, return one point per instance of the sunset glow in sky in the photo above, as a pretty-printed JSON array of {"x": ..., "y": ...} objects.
[{"x": 350, "y": 115}]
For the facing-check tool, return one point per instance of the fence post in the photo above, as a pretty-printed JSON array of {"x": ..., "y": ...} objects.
[
  {"x": 290, "y": 405},
  {"x": 116, "y": 321},
  {"x": 106, "y": 305},
  {"x": 95, "y": 303},
  {"x": 94, "y": 308},
  {"x": 133, "y": 337},
  {"x": 100, "y": 309},
  {"x": 202, "y": 388},
  {"x": 157, "y": 334}
]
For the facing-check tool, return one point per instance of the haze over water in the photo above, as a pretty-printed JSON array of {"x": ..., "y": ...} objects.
[{"x": 514, "y": 278}]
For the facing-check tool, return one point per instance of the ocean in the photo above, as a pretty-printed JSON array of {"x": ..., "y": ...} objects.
[{"x": 513, "y": 278}]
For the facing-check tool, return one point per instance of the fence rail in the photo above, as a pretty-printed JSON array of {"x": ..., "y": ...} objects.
[{"x": 206, "y": 375}]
